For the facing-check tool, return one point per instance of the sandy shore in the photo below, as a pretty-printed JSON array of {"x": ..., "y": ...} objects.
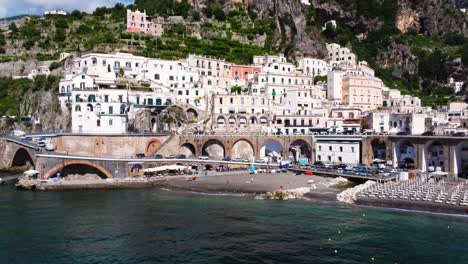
[{"x": 255, "y": 184}]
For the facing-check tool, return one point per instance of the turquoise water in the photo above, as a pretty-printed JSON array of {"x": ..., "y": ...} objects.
[{"x": 157, "y": 226}]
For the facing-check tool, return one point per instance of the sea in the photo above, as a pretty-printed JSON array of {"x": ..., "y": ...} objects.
[{"x": 164, "y": 226}]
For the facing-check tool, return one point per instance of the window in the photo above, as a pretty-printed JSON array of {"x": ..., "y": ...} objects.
[
  {"x": 106, "y": 98},
  {"x": 329, "y": 158},
  {"x": 320, "y": 148},
  {"x": 111, "y": 110},
  {"x": 98, "y": 123},
  {"x": 220, "y": 100},
  {"x": 341, "y": 149},
  {"x": 340, "y": 159},
  {"x": 77, "y": 108},
  {"x": 352, "y": 149},
  {"x": 330, "y": 148},
  {"x": 180, "y": 93},
  {"x": 110, "y": 122},
  {"x": 171, "y": 78},
  {"x": 120, "y": 98},
  {"x": 319, "y": 157},
  {"x": 156, "y": 76}
]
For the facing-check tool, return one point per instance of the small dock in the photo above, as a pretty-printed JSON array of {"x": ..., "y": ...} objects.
[{"x": 351, "y": 177}]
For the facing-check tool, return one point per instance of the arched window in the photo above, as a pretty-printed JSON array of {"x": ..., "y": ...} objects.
[
  {"x": 68, "y": 89},
  {"x": 89, "y": 108},
  {"x": 92, "y": 98},
  {"x": 77, "y": 108}
]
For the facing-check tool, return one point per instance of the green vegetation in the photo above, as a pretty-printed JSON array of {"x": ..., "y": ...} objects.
[
  {"x": 13, "y": 92},
  {"x": 433, "y": 52}
]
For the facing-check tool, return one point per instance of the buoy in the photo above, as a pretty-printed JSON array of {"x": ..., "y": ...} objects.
[
  {"x": 336, "y": 251},
  {"x": 339, "y": 231},
  {"x": 329, "y": 239},
  {"x": 363, "y": 214},
  {"x": 373, "y": 259}
]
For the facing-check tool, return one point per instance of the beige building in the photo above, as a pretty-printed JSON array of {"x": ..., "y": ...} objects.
[{"x": 364, "y": 92}]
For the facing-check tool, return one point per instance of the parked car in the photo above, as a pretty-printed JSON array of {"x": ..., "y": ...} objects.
[
  {"x": 237, "y": 160},
  {"x": 49, "y": 147},
  {"x": 459, "y": 134},
  {"x": 41, "y": 144},
  {"x": 181, "y": 156},
  {"x": 227, "y": 158},
  {"x": 402, "y": 133},
  {"x": 428, "y": 133},
  {"x": 260, "y": 161},
  {"x": 157, "y": 156},
  {"x": 170, "y": 157},
  {"x": 140, "y": 155},
  {"x": 204, "y": 157}
]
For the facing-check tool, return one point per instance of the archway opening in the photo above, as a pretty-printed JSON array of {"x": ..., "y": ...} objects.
[
  {"x": 243, "y": 149},
  {"x": 379, "y": 149},
  {"x": 405, "y": 152},
  {"x": 272, "y": 148},
  {"x": 192, "y": 114},
  {"x": 22, "y": 158},
  {"x": 188, "y": 150},
  {"x": 461, "y": 153},
  {"x": 435, "y": 156},
  {"x": 152, "y": 147},
  {"x": 80, "y": 170},
  {"x": 214, "y": 149},
  {"x": 300, "y": 149}
]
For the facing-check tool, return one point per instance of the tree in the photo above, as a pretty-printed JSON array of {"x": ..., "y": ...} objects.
[
  {"x": 77, "y": 14},
  {"x": 196, "y": 16},
  {"x": 236, "y": 89},
  {"x": 60, "y": 35},
  {"x": 13, "y": 28},
  {"x": 464, "y": 54},
  {"x": 208, "y": 11},
  {"x": 219, "y": 14},
  {"x": 121, "y": 72}
]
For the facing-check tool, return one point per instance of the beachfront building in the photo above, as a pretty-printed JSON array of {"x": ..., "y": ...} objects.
[
  {"x": 338, "y": 152},
  {"x": 392, "y": 99},
  {"x": 139, "y": 22}
]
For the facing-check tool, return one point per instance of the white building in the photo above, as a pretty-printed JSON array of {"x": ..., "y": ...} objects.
[
  {"x": 340, "y": 56},
  {"x": 55, "y": 12},
  {"x": 313, "y": 67},
  {"x": 337, "y": 152}
]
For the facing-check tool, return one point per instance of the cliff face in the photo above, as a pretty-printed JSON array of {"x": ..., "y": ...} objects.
[{"x": 292, "y": 35}]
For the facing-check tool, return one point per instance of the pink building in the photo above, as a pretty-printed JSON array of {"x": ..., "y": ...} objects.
[
  {"x": 242, "y": 71},
  {"x": 139, "y": 22}
]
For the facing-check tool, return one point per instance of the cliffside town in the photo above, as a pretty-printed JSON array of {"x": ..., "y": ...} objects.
[{"x": 343, "y": 60}]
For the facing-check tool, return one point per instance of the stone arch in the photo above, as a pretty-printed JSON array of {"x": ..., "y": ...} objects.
[
  {"x": 379, "y": 149},
  {"x": 221, "y": 120},
  {"x": 60, "y": 166},
  {"x": 188, "y": 150},
  {"x": 192, "y": 114},
  {"x": 405, "y": 152},
  {"x": 213, "y": 148},
  {"x": 152, "y": 146},
  {"x": 136, "y": 168},
  {"x": 435, "y": 155},
  {"x": 302, "y": 147},
  {"x": 271, "y": 148},
  {"x": 243, "y": 148},
  {"x": 461, "y": 155},
  {"x": 21, "y": 158}
]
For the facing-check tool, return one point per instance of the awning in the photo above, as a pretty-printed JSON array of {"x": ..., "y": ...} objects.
[
  {"x": 242, "y": 110},
  {"x": 221, "y": 121},
  {"x": 243, "y": 120},
  {"x": 232, "y": 109},
  {"x": 263, "y": 120}
]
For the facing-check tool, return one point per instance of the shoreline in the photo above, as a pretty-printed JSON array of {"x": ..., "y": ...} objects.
[{"x": 247, "y": 185}]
